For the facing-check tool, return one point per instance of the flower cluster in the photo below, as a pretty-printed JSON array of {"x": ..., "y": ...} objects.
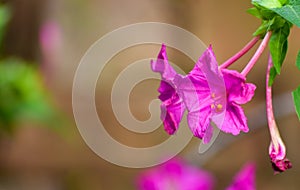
[{"x": 213, "y": 94}]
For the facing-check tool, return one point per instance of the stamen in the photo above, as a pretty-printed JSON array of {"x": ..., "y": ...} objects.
[{"x": 219, "y": 107}]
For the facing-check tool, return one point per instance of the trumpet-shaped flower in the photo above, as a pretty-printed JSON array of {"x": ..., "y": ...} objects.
[{"x": 210, "y": 94}]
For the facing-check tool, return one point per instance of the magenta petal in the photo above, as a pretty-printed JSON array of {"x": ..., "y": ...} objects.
[
  {"x": 162, "y": 65},
  {"x": 194, "y": 91},
  {"x": 199, "y": 121},
  {"x": 196, "y": 96},
  {"x": 175, "y": 174},
  {"x": 240, "y": 91},
  {"x": 278, "y": 158},
  {"x": 281, "y": 165},
  {"x": 209, "y": 68},
  {"x": 166, "y": 91},
  {"x": 172, "y": 107},
  {"x": 235, "y": 120},
  {"x": 208, "y": 134},
  {"x": 198, "y": 103},
  {"x": 197, "y": 90},
  {"x": 245, "y": 179}
]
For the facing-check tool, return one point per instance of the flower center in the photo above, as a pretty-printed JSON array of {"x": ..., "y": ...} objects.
[{"x": 217, "y": 107}]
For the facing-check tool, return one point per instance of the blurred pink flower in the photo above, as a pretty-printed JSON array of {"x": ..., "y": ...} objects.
[
  {"x": 175, "y": 175},
  {"x": 50, "y": 39},
  {"x": 203, "y": 93},
  {"x": 50, "y": 36},
  {"x": 244, "y": 179}
]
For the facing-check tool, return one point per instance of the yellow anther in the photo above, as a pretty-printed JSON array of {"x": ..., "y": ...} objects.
[
  {"x": 213, "y": 95},
  {"x": 212, "y": 106},
  {"x": 219, "y": 107}
]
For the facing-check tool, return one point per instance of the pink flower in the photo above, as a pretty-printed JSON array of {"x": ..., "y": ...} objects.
[
  {"x": 50, "y": 36},
  {"x": 245, "y": 179},
  {"x": 175, "y": 175},
  {"x": 50, "y": 39},
  {"x": 277, "y": 149},
  {"x": 210, "y": 94}
]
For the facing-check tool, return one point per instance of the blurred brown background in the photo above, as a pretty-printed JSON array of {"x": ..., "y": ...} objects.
[{"x": 39, "y": 158}]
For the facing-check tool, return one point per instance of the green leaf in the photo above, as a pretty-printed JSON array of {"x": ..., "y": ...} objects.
[
  {"x": 273, "y": 75},
  {"x": 298, "y": 60},
  {"x": 290, "y": 12},
  {"x": 283, "y": 2},
  {"x": 296, "y": 97},
  {"x": 277, "y": 23},
  {"x": 255, "y": 12},
  {"x": 278, "y": 46},
  {"x": 262, "y": 29},
  {"x": 266, "y": 14},
  {"x": 269, "y": 4},
  {"x": 294, "y": 2},
  {"x": 270, "y": 21}
]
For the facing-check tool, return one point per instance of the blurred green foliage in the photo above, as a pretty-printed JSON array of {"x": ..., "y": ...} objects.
[
  {"x": 4, "y": 19},
  {"x": 22, "y": 93}
]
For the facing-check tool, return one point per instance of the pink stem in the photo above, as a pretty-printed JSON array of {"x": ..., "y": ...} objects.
[
  {"x": 270, "y": 115},
  {"x": 257, "y": 54},
  {"x": 240, "y": 53}
]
